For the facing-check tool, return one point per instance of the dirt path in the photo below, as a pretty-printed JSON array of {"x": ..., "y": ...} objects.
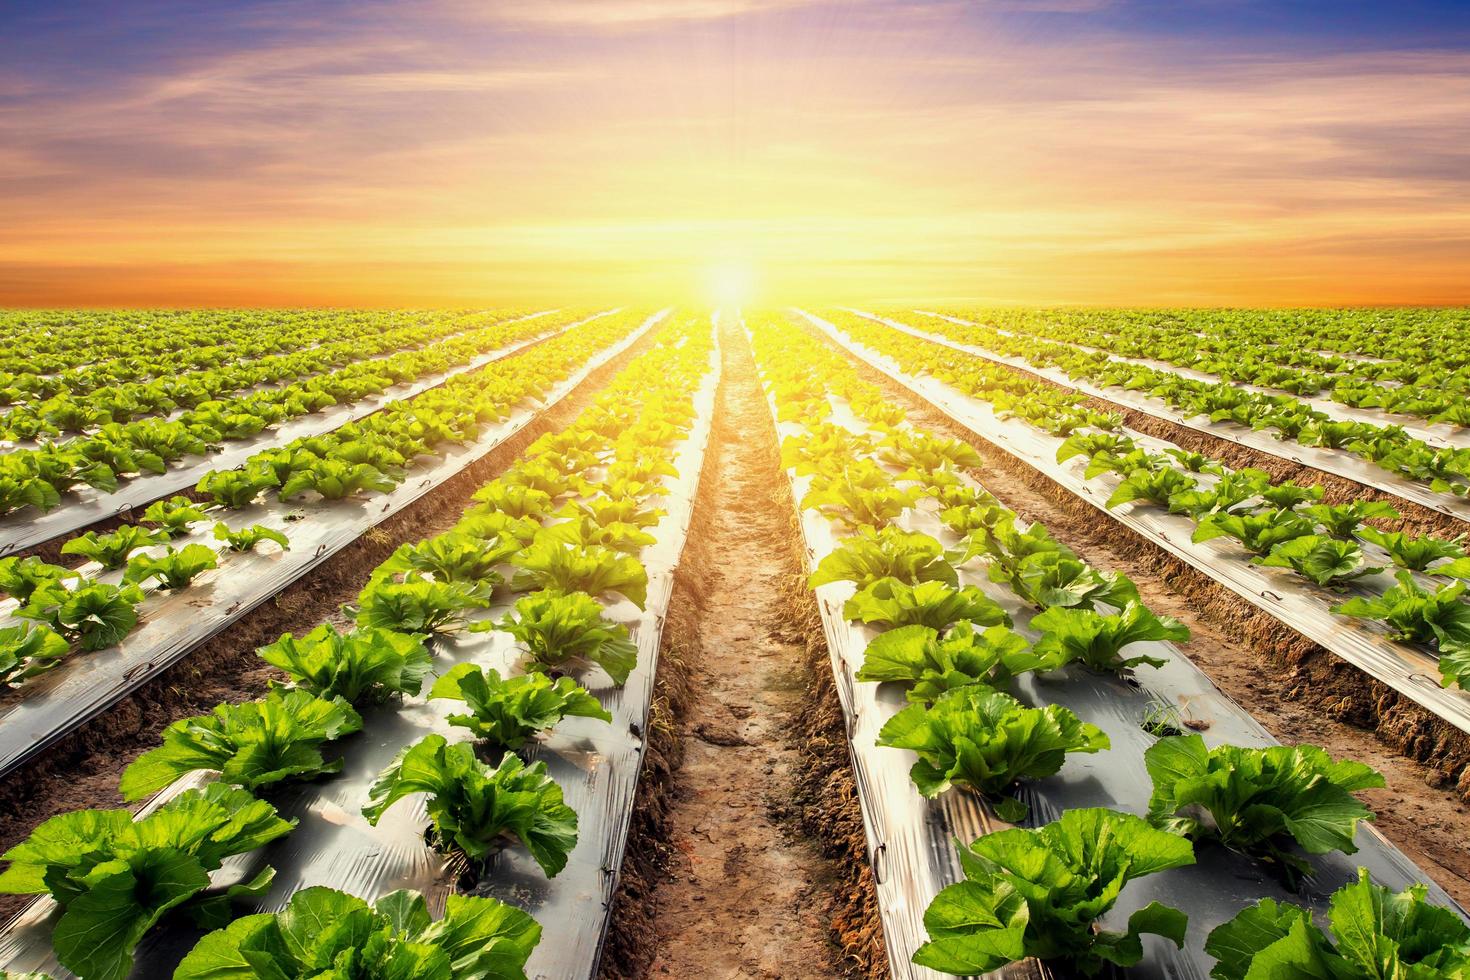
[
  {"x": 745, "y": 893},
  {"x": 1420, "y": 810}
]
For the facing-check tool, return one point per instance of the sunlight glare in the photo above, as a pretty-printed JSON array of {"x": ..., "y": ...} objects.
[{"x": 730, "y": 283}]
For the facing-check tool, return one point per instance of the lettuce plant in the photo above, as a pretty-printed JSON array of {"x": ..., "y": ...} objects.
[
  {"x": 111, "y": 551},
  {"x": 584, "y": 531},
  {"x": 367, "y": 665},
  {"x": 985, "y": 741},
  {"x": 1097, "y": 640},
  {"x": 1231, "y": 493},
  {"x": 335, "y": 479},
  {"x": 1375, "y": 933},
  {"x": 93, "y": 616},
  {"x": 1259, "y": 533},
  {"x": 417, "y": 604},
  {"x": 1324, "y": 560},
  {"x": 1418, "y": 615},
  {"x": 174, "y": 569},
  {"x": 1343, "y": 520},
  {"x": 452, "y": 557},
  {"x": 1413, "y": 553},
  {"x": 238, "y": 488},
  {"x": 250, "y": 745},
  {"x": 889, "y": 552},
  {"x": 1287, "y": 495},
  {"x": 27, "y": 650},
  {"x": 1051, "y": 579},
  {"x": 859, "y": 496},
  {"x": 21, "y": 577},
  {"x": 1156, "y": 487},
  {"x": 115, "y": 877},
  {"x": 475, "y": 809},
  {"x": 558, "y": 627},
  {"x": 889, "y": 602},
  {"x": 1258, "y": 801},
  {"x": 507, "y": 712},
  {"x": 246, "y": 538},
  {"x": 549, "y": 564},
  {"x": 605, "y": 511},
  {"x": 1039, "y": 893},
  {"x": 929, "y": 662},
  {"x": 324, "y": 934},
  {"x": 174, "y": 515}
]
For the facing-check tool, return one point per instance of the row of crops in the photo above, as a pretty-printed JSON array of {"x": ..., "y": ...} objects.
[
  {"x": 1026, "y": 687},
  {"x": 481, "y": 672},
  {"x": 1390, "y": 601},
  {"x": 440, "y": 781}
]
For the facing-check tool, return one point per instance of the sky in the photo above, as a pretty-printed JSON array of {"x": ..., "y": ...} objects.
[{"x": 474, "y": 152}]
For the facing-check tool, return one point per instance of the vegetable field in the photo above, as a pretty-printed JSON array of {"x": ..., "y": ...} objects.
[{"x": 816, "y": 642}]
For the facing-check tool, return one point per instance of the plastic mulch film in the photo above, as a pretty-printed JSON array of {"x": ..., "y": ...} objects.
[
  {"x": 911, "y": 840},
  {"x": 1296, "y": 603},
  {"x": 596, "y": 764},
  {"x": 86, "y": 506},
  {"x": 1434, "y": 433},
  {"x": 1319, "y": 458},
  {"x": 176, "y": 623}
]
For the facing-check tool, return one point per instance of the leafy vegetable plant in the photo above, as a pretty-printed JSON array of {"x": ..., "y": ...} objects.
[
  {"x": 1343, "y": 520},
  {"x": 1040, "y": 893},
  {"x": 21, "y": 577},
  {"x": 174, "y": 515},
  {"x": 326, "y": 934},
  {"x": 1259, "y": 533},
  {"x": 889, "y": 602},
  {"x": 476, "y": 810},
  {"x": 417, "y": 604},
  {"x": 507, "y": 712},
  {"x": 1097, "y": 640},
  {"x": 111, "y": 551},
  {"x": 1257, "y": 801},
  {"x": 94, "y": 616},
  {"x": 550, "y": 564},
  {"x": 1326, "y": 561},
  {"x": 1413, "y": 553},
  {"x": 115, "y": 877},
  {"x": 27, "y": 650},
  {"x": 246, "y": 538},
  {"x": 888, "y": 552},
  {"x": 985, "y": 740},
  {"x": 1377, "y": 933},
  {"x": 367, "y": 665},
  {"x": 558, "y": 627},
  {"x": 250, "y": 745},
  {"x": 929, "y": 662},
  {"x": 1418, "y": 615},
  {"x": 174, "y": 569}
]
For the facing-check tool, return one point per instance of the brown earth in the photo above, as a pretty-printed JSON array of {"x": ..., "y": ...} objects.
[
  {"x": 745, "y": 889},
  {"x": 1300, "y": 692}
]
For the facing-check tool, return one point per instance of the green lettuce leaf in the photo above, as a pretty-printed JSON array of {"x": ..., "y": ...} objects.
[{"x": 507, "y": 712}]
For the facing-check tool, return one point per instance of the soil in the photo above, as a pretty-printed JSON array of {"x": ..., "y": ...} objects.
[
  {"x": 83, "y": 770},
  {"x": 744, "y": 892},
  {"x": 1298, "y": 691}
]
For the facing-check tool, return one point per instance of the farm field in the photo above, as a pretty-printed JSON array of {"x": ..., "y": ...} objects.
[{"x": 819, "y": 641}]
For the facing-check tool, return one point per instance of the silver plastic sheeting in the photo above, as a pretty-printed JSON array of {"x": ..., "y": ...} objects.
[
  {"x": 1434, "y": 433},
  {"x": 176, "y": 623},
  {"x": 1412, "y": 672},
  {"x": 86, "y": 506},
  {"x": 1317, "y": 457},
  {"x": 596, "y": 764},
  {"x": 911, "y": 840}
]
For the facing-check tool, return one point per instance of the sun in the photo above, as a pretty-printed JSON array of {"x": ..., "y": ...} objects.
[{"x": 730, "y": 282}]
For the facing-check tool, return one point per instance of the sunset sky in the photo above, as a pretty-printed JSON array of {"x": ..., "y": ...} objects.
[{"x": 452, "y": 152}]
